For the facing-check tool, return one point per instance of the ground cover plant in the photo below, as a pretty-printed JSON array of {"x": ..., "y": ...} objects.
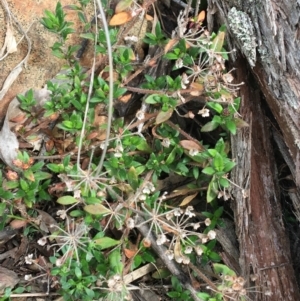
[{"x": 130, "y": 160}]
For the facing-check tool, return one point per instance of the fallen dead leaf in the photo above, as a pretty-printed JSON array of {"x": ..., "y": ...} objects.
[
  {"x": 120, "y": 18},
  {"x": 8, "y": 278}
]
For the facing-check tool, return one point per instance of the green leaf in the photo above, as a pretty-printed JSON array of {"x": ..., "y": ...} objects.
[
  {"x": 66, "y": 200},
  {"x": 204, "y": 296},
  {"x": 214, "y": 256},
  {"x": 24, "y": 184},
  {"x": 210, "y": 126},
  {"x": 137, "y": 261},
  {"x": 218, "y": 162},
  {"x": 171, "y": 56},
  {"x": 37, "y": 166},
  {"x": 220, "y": 146},
  {"x": 231, "y": 126},
  {"x": 97, "y": 209},
  {"x": 133, "y": 179},
  {"x": 41, "y": 175},
  {"x": 218, "y": 42},
  {"x": 218, "y": 212},
  {"x": 90, "y": 293},
  {"x": 106, "y": 242},
  {"x": 158, "y": 32},
  {"x": 223, "y": 269},
  {"x": 176, "y": 284},
  {"x": 2, "y": 208},
  {"x": 224, "y": 183},
  {"x": 153, "y": 99},
  {"x": 208, "y": 171},
  {"x": 57, "y": 168},
  {"x": 68, "y": 124},
  {"x": 212, "y": 191},
  {"x": 11, "y": 185},
  {"x": 115, "y": 261},
  {"x": 143, "y": 146},
  {"x": 171, "y": 156},
  {"x": 228, "y": 166},
  {"x": 240, "y": 123},
  {"x": 215, "y": 106},
  {"x": 29, "y": 175},
  {"x": 174, "y": 295},
  {"x": 212, "y": 152},
  {"x": 161, "y": 273},
  {"x": 148, "y": 257},
  {"x": 196, "y": 172},
  {"x": 78, "y": 272},
  {"x": 88, "y": 35},
  {"x": 123, "y": 5}
]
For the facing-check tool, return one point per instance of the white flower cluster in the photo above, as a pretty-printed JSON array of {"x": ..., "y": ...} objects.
[
  {"x": 178, "y": 221},
  {"x": 242, "y": 28}
]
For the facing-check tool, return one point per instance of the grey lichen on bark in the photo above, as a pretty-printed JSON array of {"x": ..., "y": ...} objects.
[{"x": 242, "y": 28}]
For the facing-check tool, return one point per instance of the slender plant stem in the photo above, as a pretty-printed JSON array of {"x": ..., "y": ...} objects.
[{"x": 111, "y": 82}]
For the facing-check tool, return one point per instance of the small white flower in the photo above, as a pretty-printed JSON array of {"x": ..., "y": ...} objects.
[
  {"x": 42, "y": 241},
  {"x": 130, "y": 223},
  {"x": 193, "y": 152},
  {"x": 28, "y": 277},
  {"x": 28, "y": 259},
  {"x": 59, "y": 262},
  {"x": 118, "y": 155},
  {"x": 149, "y": 187},
  {"x": 196, "y": 226},
  {"x": 146, "y": 190},
  {"x": 170, "y": 254},
  {"x": 62, "y": 214},
  {"x": 142, "y": 197},
  {"x": 131, "y": 39},
  {"x": 117, "y": 277},
  {"x": 161, "y": 239},
  {"x": 140, "y": 115},
  {"x": 268, "y": 293},
  {"x": 204, "y": 112},
  {"x": 112, "y": 180},
  {"x": 179, "y": 63},
  {"x": 199, "y": 250},
  {"x": 164, "y": 195},
  {"x": 111, "y": 282},
  {"x": 102, "y": 145},
  {"x": 184, "y": 81},
  {"x": 77, "y": 194},
  {"x": 169, "y": 215},
  {"x": 119, "y": 148},
  {"x": 207, "y": 222},
  {"x": 186, "y": 260},
  {"x": 212, "y": 234},
  {"x": 166, "y": 142},
  {"x": 204, "y": 239},
  {"x": 178, "y": 211},
  {"x": 188, "y": 250},
  {"x": 179, "y": 259},
  {"x": 190, "y": 114},
  {"x": 188, "y": 211}
]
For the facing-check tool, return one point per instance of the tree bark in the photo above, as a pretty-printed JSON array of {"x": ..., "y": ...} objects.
[{"x": 271, "y": 28}]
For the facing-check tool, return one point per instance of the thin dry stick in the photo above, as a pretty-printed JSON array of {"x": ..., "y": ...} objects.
[{"x": 202, "y": 276}]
